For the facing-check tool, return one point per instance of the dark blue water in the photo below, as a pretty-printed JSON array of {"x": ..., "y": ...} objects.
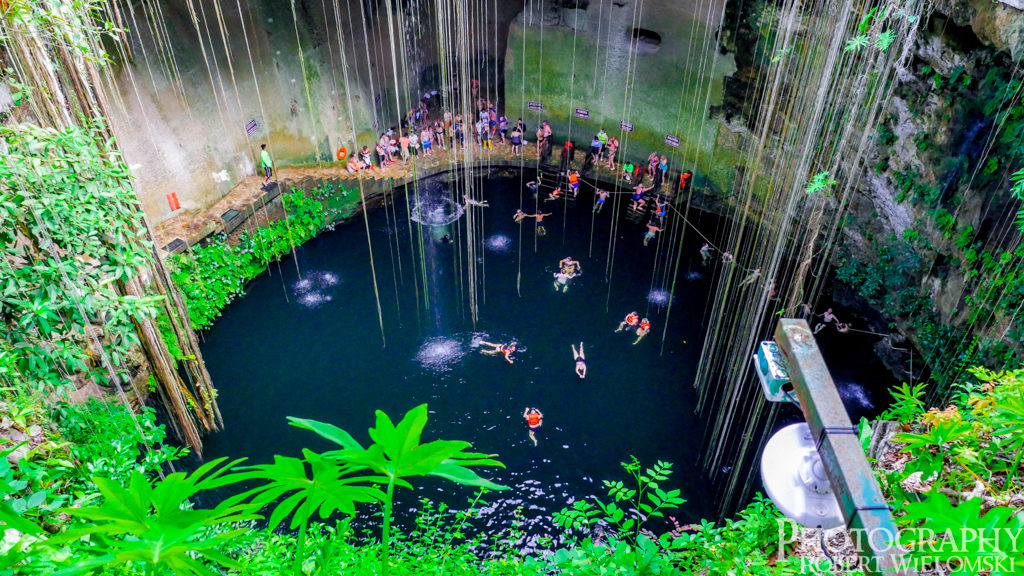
[{"x": 311, "y": 348}]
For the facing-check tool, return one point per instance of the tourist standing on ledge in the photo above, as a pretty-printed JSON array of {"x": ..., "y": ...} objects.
[{"x": 266, "y": 162}]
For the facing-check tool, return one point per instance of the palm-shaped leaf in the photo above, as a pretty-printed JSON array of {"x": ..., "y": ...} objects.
[
  {"x": 966, "y": 535},
  {"x": 396, "y": 451},
  {"x": 313, "y": 485},
  {"x": 154, "y": 524}
]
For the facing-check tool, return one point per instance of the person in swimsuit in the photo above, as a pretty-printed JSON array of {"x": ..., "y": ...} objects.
[
  {"x": 638, "y": 196},
  {"x": 506, "y": 350},
  {"x": 519, "y": 215},
  {"x": 534, "y": 419},
  {"x": 642, "y": 330},
  {"x": 568, "y": 265},
  {"x": 478, "y": 203},
  {"x": 533, "y": 185},
  {"x": 541, "y": 231},
  {"x": 652, "y": 231},
  {"x": 517, "y": 141},
  {"x": 632, "y": 319},
  {"x": 611, "y": 147},
  {"x": 602, "y": 197},
  {"x": 562, "y": 280},
  {"x": 705, "y": 253},
  {"x": 727, "y": 257},
  {"x": 554, "y": 195},
  {"x": 661, "y": 209},
  {"x": 581, "y": 362}
]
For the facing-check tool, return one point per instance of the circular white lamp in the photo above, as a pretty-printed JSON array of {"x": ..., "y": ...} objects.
[{"x": 795, "y": 479}]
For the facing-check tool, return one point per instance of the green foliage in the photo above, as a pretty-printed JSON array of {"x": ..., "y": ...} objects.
[
  {"x": 71, "y": 233},
  {"x": 856, "y": 43},
  {"x": 155, "y": 525},
  {"x": 819, "y": 182},
  {"x": 885, "y": 39},
  {"x": 1017, "y": 191},
  {"x": 886, "y": 136},
  {"x": 908, "y": 402},
  {"x": 991, "y": 541},
  {"x": 211, "y": 277}
]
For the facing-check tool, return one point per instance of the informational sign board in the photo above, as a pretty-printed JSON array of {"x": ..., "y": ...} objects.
[
  {"x": 582, "y": 113},
  {"x": 672, "y": 141},
  {"x": 536, "y": 106},
  {"x": 627, "y": 126},
  {"x": 251, "y": 128}
]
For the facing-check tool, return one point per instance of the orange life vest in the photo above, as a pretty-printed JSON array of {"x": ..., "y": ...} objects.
[
  {"x": 645, "y": 325},
  {"x": 632, "y": 319},
  {"x": 533, "y": 419},
  {"x": 573, "y": 178}
]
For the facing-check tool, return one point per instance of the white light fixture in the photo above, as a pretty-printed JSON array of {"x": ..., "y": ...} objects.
[{"x": 795, "y": 479}]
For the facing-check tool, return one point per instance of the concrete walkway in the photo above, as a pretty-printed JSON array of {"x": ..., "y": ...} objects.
[{"x": 187, "y": 228}]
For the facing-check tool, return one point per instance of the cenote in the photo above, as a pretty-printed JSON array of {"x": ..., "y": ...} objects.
[{"x": 305, "y": 342}]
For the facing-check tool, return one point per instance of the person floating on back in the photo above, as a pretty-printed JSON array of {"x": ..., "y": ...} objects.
[
  {"x": 632, "y": 319},
  {"x": 506, "y": 350},
  {"x": 642, "y": 330},
  {"x": 266, "y": 162},
  {"x": 581, "y": 361},
  {"x": 534, "y": 420}
]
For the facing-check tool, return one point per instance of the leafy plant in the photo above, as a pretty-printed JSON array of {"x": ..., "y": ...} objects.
[
  {"x": 819, "y": 182},
  {"x": 961, "y": 534},
  {"x": 156, "y": 526},
  {"x": 396, "y": 453},
  {"x": 929, "y": 448},
  {"x": 908, "y": 402}
]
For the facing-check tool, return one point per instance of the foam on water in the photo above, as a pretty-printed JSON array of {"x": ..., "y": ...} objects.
[
  {"x": 440, "y": 354},
  {"x": 659, "y": 296},
  {"x": 499, "y": 243},
  {"x": 314, "y": 290}
]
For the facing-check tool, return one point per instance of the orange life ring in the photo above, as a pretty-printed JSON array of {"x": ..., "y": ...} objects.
[{"x": 342, "y": 154}]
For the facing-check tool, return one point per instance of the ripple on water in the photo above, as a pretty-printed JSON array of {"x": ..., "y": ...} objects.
[
  {"x": 694, "y": 275},
  {"x": 660, "y": 296},
  {"x": 440, "y": 354},
  {"x": 315, "y": 288},
  {"x": 499, "y": 243}
]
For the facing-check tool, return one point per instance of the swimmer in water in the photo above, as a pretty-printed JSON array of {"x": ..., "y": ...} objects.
[
  {"x": 562, "y": 281},
  {"x": 541, "y": 230},
  {"x": 581, "y": 362},
  {"x": 642, "y": 330},
  {"x": 727, "y": 257},
  {"x": 602, "y": 197},
  {"x": 519, "y": 215},
  {"x": 534, "y": 419},
  {"x": 554, "y": 195},
  {"x": 506, "y": 350},
  {"x": 533, "y": 185},
  {"x": 705, "y": 253},
  {"x": 568, "y": 265},
  {"x": 652, "y": 231},
  {"x": 632, "y": 319},
  {"x": 446, "y": 239},
  {"x": 478, "y": 203}
]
